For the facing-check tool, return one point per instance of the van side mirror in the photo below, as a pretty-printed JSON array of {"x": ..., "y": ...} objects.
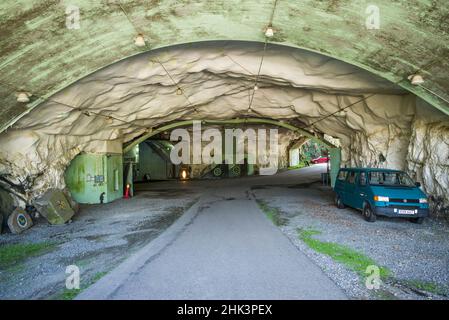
[{"x": 418, "y": 184}]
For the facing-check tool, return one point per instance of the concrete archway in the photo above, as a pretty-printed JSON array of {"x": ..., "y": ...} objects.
[
  {"x": 304, "y": 136},
  {"x": 221, "y": 122}
]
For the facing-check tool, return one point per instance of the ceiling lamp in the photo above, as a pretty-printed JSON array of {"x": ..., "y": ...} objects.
[
  {"x": 139, "y": 40},
  {"x": 269, "y": 32},
  {"x": 23, "y": 97},
  {"x": 416, "y": 79},
  {"x": 179, "y": 91},
  {"x": 256, "y": 88}
]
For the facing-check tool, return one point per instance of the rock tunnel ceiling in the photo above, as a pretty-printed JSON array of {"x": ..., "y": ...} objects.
[
  {"x": 36, "y": 44},
  {"x": 216, "y": 79}
]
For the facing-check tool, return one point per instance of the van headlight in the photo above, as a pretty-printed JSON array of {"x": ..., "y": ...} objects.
[
  {"x": 422, "y": 200},
  {"x": 381, "y": 198}
]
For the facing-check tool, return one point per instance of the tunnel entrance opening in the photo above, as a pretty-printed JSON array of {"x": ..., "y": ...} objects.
[{"x": 80, "y": 82}]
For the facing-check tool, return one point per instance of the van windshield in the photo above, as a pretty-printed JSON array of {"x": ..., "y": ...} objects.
[{"x": 395, "y": 179}]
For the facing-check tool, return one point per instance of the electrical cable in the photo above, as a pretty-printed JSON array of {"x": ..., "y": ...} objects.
[
  {"x": 365, "y": 98},
  {"x": 263, "y": 56},
  {"x": 85, "y": 112},
  {"x": 158, "y": 61},
  {"x": 252, "y": 94}
]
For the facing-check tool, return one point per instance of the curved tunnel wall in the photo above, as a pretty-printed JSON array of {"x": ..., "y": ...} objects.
[
  {"x": 127, "y": 99},
  {"x": 37, "y": 40}
]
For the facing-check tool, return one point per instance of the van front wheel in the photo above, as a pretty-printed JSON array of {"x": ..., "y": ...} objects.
[
  {"x": 368, "y": 213},
  {"x": 338, "y": 202}
]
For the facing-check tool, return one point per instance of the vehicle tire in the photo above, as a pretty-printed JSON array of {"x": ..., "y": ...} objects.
[
  {"x": 19, "y": 221},
  {"x": 419, "y": 220},
  {"x": 217, "y": 172},
  {"x": 236, "y": 171},
  {"x": 338, "y": 202},
  {"x": 368, "y": 213}
]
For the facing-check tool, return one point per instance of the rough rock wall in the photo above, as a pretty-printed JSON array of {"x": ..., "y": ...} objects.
[
  {"x": 124, "y": 100},
  {"x": 428, "y": 155},
  {"x": 380, "y": 139}
]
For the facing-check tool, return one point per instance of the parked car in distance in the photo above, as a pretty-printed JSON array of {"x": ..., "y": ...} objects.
[
  {"x": 320, "y": 159},
  {"x": 381, "y": 192}
]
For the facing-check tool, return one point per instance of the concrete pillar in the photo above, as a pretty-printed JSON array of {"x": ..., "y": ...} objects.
[
  {"x": 294, "y": 157},
  {"x": 335, "y": 155}
]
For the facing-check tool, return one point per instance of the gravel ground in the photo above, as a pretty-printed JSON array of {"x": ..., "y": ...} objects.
[
  {"x": 101, "y": 236},
  {"x": 98, "y": 239},
  {"x": 412, "y": 252}
]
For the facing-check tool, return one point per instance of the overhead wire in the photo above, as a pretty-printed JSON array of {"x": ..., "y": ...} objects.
[
  {"x": 251, "y": 94},
  {"x": 256, "y": 82},
  {"x": 364, "y": 98},
  {"x": 175, "y": 83}
]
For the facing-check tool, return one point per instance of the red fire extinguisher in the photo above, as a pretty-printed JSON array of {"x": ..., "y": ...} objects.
[{"x": 126, "y": 196}]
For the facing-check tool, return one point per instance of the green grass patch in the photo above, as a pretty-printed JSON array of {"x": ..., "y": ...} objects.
[
  {"x": 14, "y": 254},
  {"x": 352, "y": 259},
  {"x": 426, "y": 286},
  {"x": 97, "y": 277},
  {"x": 272, "y": 213},
  {"x": 300, "y": 165},
  {"x": 71, "y": 294}
]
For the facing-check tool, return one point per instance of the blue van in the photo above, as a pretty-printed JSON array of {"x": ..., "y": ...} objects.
[{"x": 381, "y": 192}]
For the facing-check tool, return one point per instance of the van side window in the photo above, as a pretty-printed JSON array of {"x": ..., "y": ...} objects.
[
  {"x": 351, "y": 178},
  {"x": 342, "y": 175},
  {"x": 374, "y": 177},
  {"x": 362, "y": 179}
]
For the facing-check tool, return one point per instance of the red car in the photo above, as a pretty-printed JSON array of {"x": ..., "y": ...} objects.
[{"x": 320, "y": 160}]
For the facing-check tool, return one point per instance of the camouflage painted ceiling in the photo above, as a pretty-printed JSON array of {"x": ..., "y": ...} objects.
[{"x": 40, "y": 55}]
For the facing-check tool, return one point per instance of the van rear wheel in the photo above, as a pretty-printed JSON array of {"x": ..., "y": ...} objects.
[
  {"x": 368, "y": 213},
  {"x": 338, "y": 202}
]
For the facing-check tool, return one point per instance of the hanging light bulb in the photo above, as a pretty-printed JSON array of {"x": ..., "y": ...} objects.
[
  {"x": 179, "y": 91},
  {"x": 23, "y": 97},
  {"x": 110, "y": 120},
  {"x": 416, "y": 79},
  {"x": 256, "y": 87},
  {"x": 269, "y": 32},
  {"x": 139, "y": 40}
]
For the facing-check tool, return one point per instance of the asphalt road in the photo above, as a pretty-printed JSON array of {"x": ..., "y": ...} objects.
[{"x": 224, "y": 247}]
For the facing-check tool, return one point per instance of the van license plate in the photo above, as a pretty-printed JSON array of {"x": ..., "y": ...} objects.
[{"x": 400, "y": 211}]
